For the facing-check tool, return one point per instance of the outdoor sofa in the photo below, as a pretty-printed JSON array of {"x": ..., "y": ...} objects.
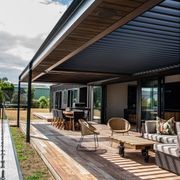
[{"x": 167, "y": 148}]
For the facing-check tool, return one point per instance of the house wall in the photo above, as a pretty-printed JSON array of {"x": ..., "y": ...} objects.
[
  {"x": 63, "y": 88},
  {"x": 117, "y": 95},
  {"x": 173, "y": 113}
]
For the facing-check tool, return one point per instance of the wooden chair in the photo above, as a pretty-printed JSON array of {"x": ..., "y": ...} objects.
[
  {"x": 118, "y": 125},
  {"x": 67, "y": 122},
  {"x": 86, "y": 130},
  {"x": 77, "y": 115},
  {"x": 60, "y": 119},
  {"x": 54, "y": 121}
]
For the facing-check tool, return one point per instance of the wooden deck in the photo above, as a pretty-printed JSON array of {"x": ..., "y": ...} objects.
[
  {"x": 45, "y": 116},
  {"x": 58, "y": 150}
]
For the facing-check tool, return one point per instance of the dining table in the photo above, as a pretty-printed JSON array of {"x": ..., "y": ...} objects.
[
  {"x": 70, "y": 116},
  {"x": 68, "y": 113}
]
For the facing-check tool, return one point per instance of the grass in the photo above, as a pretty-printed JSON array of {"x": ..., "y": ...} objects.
[
  {"x": 31, "y": 164},
  {"x": 12, "y": 113}
]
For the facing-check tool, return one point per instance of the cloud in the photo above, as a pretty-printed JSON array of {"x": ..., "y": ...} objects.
[
  {"x": 64, "y": 2},
  {"x": 24, "y": 24},
  {"x": 29, "y": 17},
  {"x": 10, "y": 71},
  {"x": 12, "y": 62},
  {"x": 22, "y": 52}
]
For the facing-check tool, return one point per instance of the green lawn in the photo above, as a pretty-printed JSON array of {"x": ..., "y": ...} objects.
[{"x": 31, "y": 164}]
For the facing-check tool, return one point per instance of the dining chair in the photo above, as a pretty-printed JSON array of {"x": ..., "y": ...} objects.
[
  {"x": 60, "y": 119},
  {"x": 67, "y": 121},
  {"x": 54, "y": 113},
  {"x": 77, "y": 115}
]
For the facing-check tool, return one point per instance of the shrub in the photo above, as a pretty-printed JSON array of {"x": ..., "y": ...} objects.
[{"x": 43, "y": 102}]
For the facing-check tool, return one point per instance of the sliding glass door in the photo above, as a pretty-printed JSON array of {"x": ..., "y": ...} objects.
[
  {"x": 58, "y": 99},
  {"x": 73, "y": 97},
  {"x": 149, "y": 100},
  {"x": 97, "y": 103}
]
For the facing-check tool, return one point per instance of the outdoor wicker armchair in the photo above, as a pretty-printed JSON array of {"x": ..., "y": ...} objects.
[
  {"x": 118, "y": 125},
  {"x": 87, "y": 129}
]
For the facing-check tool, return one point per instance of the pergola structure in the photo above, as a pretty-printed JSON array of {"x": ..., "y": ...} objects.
[{"x": 107, "y": 41}]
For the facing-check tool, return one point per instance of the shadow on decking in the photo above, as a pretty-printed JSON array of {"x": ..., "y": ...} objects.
[{"x": 105, "y": 163}]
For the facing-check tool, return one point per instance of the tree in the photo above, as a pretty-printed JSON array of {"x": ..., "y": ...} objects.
[
  {"x": 4, "y": 79},
  {"x": 1, "y": 96},
  {"x": 7, "y": 89},
  {"x": 23, "y": 98}
]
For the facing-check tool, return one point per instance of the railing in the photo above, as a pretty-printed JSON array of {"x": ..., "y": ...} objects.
[
  {"x": 9, "y": 165},
  {"x": 2, "y": 175}
]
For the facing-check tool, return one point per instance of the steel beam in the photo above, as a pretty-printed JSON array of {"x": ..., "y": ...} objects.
[
  {"x": 19, "y": 96},
  {"x": 29, "y": 104}
]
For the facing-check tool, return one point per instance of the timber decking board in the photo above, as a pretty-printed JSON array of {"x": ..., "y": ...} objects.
[{"x": 58, "y": 149}]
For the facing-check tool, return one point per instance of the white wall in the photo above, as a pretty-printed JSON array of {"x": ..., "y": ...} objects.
[{"x": 117, "y": 95}]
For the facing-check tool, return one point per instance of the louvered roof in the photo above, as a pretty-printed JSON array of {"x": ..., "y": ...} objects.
[{"x": 146, "y": 43}]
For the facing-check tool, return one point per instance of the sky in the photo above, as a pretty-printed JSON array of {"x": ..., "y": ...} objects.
[{"x": 24, "y": 25}]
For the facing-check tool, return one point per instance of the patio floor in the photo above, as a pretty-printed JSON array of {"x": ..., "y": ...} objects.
[{"x": 58, "y": 150}]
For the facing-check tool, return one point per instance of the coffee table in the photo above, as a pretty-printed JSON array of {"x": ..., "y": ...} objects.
[{"x": 133, "y": 142}]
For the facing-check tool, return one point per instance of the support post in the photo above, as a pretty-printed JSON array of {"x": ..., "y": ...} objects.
[
  {"x": 104, "y": 105},
  {"x": 91, "y": 102},
  {"x": 19, "y": 95},
  {"x": 161, "y": 97},
  {"x": 138, "y": 106},
  {"x": 29, "y": 104}
]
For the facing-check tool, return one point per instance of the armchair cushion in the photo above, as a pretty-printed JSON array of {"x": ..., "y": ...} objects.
[
  {"x": 170, "y": 139},
  {"x": 167, "y": 149}
]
